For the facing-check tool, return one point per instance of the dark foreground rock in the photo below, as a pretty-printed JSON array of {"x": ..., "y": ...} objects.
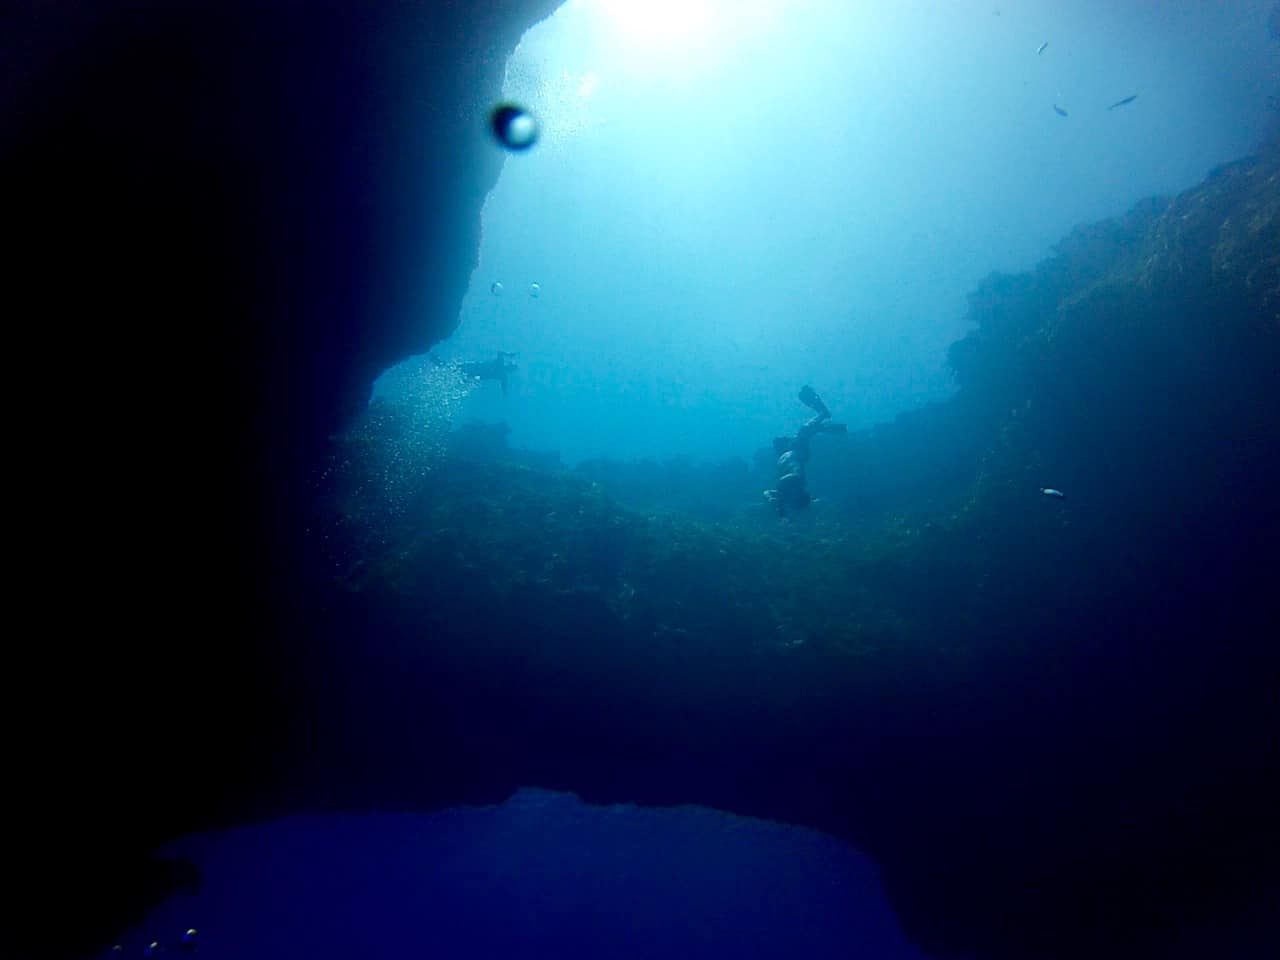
[{"x": 224, "y": 218}]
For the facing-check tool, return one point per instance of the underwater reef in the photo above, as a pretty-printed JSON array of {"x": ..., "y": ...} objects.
[{"x": 1051, "y": 721}]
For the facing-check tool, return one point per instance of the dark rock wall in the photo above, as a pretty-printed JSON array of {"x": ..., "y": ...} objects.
[
  {"x": 223, "y": 219},
  {"x": 1137, "y": 371}
]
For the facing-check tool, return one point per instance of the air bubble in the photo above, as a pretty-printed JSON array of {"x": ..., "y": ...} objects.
[{"x": 514, "y": 127}]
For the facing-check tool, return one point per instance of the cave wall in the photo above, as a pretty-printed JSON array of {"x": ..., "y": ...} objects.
[{"x": 224, "y": 219}]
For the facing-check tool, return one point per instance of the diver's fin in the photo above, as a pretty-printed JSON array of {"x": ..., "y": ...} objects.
[{"x": 809, "y": 397}]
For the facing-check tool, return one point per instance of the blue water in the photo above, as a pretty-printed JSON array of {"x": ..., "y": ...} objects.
[
  {"x": 733, "y": 199},
  {"x": 541, "y": 875}
]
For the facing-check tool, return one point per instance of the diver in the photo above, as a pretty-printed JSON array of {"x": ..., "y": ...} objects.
[
  {"x": 793, "y": 455},
  {"x": 499, "y": 368}
]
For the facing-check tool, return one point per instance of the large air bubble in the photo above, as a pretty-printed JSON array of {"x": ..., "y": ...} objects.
[{"x": 513, "y": 126}]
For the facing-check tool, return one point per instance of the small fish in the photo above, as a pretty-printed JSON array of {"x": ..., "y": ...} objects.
[
  {"x": 1050, "y": 492},
  {"x": 1040, "y": 49},
  {"x": 1059, "y": 111},
  {"x": 1121, "y": 103}
]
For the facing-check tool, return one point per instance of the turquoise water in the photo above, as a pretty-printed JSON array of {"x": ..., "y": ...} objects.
[{"x": 732, "y": 201}]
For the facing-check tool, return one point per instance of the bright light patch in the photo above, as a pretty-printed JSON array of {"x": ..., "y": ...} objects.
[
  {"x": 597, "y": 56},
  {"x": 658, "y": 26},
  {"x": 676, "y": 38}
]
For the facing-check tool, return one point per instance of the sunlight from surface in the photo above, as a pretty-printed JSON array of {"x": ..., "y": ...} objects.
[
  {"x": 658, "y": 25},
  {"x": 730, "y": 198},
  {"x": 668, "y": 40},
  {"x": 637, "y": 53}
]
